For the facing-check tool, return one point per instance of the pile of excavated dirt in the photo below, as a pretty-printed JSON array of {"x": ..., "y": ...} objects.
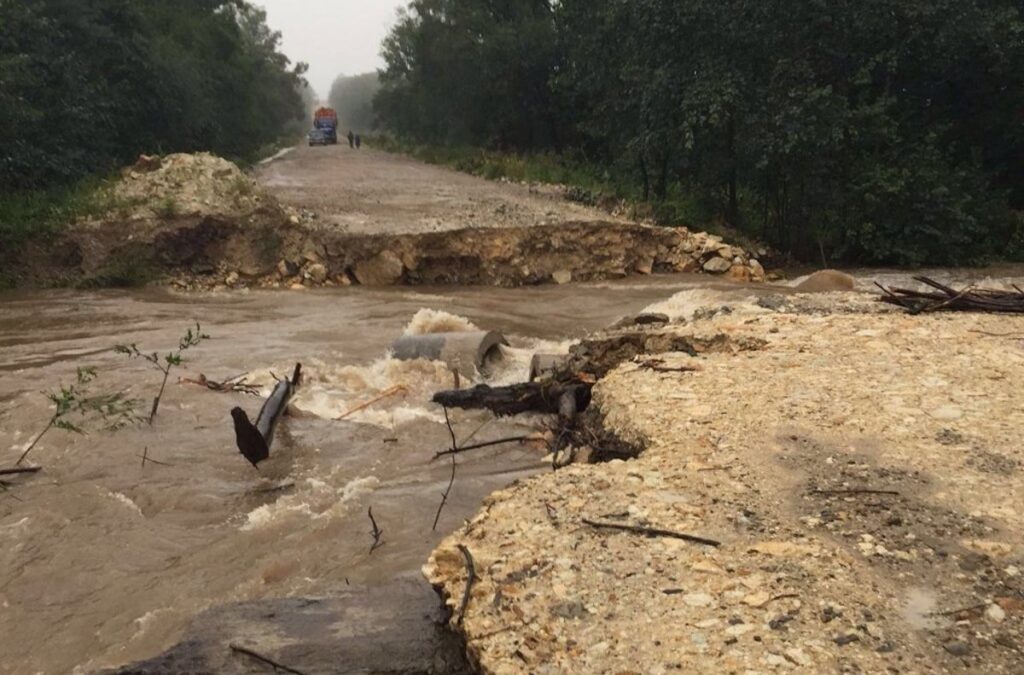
[
  {"x": 182, "y": 184},
  {"x": 167, "y": 215},
  {"x": 861, "y": 471},
  {"x": 202, "y": 223}
]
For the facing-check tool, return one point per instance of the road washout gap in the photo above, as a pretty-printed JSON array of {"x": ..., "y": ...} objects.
[
  {"x": 198, "y": 222},
  {"x": 862, "y": 507}
]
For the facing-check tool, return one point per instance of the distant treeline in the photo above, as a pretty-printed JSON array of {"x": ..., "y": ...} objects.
[
  {"x": 877, "y": 131},
  {"x": 352, "y": 96},
  {"x": 86, "y": 85}
]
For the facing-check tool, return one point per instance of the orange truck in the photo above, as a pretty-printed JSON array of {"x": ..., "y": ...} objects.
[{"x": 325, "y": 127}]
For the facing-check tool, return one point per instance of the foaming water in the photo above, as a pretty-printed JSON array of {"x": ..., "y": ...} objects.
[{"x": 427, "y": 321}]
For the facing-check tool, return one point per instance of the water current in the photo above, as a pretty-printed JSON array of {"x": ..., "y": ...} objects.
[{"x": 104, "y": 559}]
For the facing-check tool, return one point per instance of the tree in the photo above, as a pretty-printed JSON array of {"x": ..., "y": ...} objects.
[
  {"x": 87, "y": 85},
  {"x": 352, "y": 97}
]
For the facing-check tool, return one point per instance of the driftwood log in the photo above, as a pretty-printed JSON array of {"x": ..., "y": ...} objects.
[
  {"x": 946, "y": 299},
  {"x": 254, "y": 440}
]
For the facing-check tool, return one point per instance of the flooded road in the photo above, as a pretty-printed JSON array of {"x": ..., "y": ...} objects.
[{"x": 104, "y": 561}]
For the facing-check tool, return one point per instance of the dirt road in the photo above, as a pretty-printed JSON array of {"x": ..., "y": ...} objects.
[{"x": 369, "y": 191}]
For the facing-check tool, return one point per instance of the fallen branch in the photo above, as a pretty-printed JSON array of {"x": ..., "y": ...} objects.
[
  {"x": 542, "y": 397},
  {"x": 269, "y": 661},
  {"x": 451, "y": 481},
  {"x": 652, "y": 532},
  {"x": 235, "y": 384},
  {"x": 470, "y": 580},
  {"x": 387, "y": 393},
  {"x": 376, "y": 532},
  {"x": 944, "y": 298}
]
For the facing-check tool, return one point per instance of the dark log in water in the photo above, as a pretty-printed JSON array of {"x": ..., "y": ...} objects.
[
  {"x": 543, "y": 397},
  {"x": 254, "y": 440}
]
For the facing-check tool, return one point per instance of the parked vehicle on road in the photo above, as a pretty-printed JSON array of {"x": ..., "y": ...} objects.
[
  {"x": 318, "y": 137},
  {"x": 326, "y": 120}
]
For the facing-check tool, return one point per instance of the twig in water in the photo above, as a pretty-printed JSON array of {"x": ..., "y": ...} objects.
[
  {"x": 387, "y": 393},
  {"x": 470, "y": 580},
  {"x": 20, "y": 470},
  {"x": 376, "y": 532},
  {"x": 652, "y": 532},
  {"x": 444, "y": 496},
  {"x": 451, "y": 430},
  {"x": 451, "y": 481},
  {"x": 488, "y": 444},
  {"x": 6, "y": 487},
  {"x": 232, "y": 384},
  {"x": 146, "y": 458},
  {"x": 260, "y": 657}
]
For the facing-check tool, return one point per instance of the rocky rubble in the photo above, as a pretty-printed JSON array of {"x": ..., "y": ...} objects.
[
  {"x": 861, "y": 469},
  {"x": 202, "y": 222}
]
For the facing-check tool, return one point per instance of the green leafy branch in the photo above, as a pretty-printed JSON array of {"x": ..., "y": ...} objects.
[
  {"x": 116, "y": 409},
  {"x": 192, "y": 338}
]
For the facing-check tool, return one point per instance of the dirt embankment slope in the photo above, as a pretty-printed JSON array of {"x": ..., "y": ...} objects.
[
  {"x": 334, "y": 216},
  {"x": 862, "y": 471}
]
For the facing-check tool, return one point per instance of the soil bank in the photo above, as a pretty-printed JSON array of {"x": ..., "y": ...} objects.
[{"x": 861, "y": 469}]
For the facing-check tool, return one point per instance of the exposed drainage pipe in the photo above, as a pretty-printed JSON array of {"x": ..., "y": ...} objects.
[
  {"x": 543, "y": 365},
  {"x": 463, "y": 351}
]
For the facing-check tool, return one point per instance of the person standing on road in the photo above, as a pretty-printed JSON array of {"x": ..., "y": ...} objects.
[
  {"x": 351, "y": 139},
  {"x": 359, "y": 142}
]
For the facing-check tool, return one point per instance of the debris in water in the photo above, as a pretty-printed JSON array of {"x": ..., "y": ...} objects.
[
  {"x": 944, "y": 298},
  {"x": 254, "y": 441},
  {"x": 376, "y": 532}
]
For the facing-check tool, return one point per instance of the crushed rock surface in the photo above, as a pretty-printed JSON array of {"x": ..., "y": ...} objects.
[{"x": 862, "y": 471}]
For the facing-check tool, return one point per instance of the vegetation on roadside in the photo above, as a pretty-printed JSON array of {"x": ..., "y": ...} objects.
[
  {"x": 40, "y": 213},
  {"x": 85, "y": 87},
  {"x": 883, "y": 132},
  {"x": 352, "y": 96}
]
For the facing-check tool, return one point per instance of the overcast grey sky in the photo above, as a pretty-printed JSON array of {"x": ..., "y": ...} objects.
[{"x": 332, "y": 36}]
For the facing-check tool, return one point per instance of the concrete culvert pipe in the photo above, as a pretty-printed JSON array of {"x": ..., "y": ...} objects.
[
  {"x": 466, "y": 352},
  {"x": 545, "y": 365}
]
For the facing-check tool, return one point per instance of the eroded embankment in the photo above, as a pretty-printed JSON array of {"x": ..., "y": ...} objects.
[
  {"x": 860, "y": 471},
  {"x": 198, "y": 222}
]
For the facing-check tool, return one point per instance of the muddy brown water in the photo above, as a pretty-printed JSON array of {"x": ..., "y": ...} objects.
[{"x": 104, "y": 562}]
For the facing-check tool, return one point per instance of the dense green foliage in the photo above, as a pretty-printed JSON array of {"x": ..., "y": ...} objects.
[
  {"x": 352, "y": 96},
  {"x": 884, "y": 131},
  {"x": 87, "y": 85}
]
